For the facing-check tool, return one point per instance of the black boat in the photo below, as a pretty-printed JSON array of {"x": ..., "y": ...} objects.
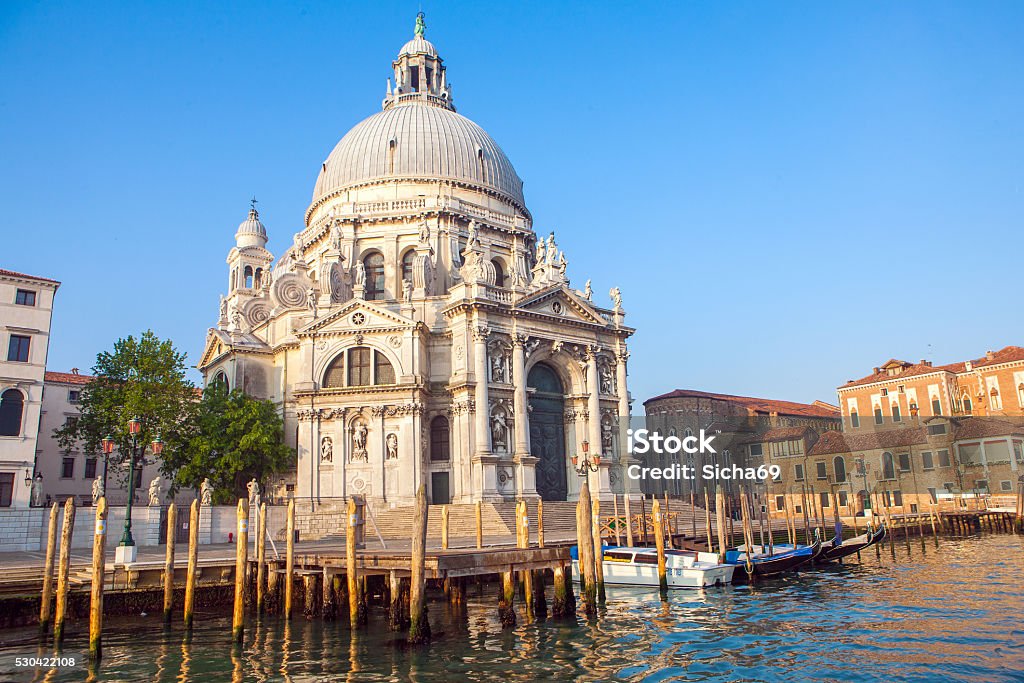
[
  {"x": 836, "y": 549},
  {"x": 762, "y": 564}
]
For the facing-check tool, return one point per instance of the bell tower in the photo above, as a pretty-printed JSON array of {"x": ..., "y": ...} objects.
[{"x": 248, "y": 264}]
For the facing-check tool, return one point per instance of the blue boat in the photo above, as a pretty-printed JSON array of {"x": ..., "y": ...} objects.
[{"x": 760, "y": 563}]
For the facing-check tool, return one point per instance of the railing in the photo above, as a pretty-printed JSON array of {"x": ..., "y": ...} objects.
[
  {"x": 390, "y": 205},
  {"x": 498, "y": 294}
]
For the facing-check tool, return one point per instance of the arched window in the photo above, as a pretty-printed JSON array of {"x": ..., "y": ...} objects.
[
  {"x": 896, "y": 412},
  {"x": 994, "y": 400},
  {"x": 407, "y": 260},
  {"x": 374, "y": 265},
  {"x": 839, "y": 465},
  {"x": 359, "y": 367},
  {"x": 440, "y": 440},
  {"x": 878, "y": 415},
  {"x": 888, "y": 469},
  {"x": 259, "y": 278},
  {"x": 248, "y": 277},
  {"x": 222, "y": 378},
  {"x": 12, "y": 404},
  {"x": 854, "y": 419},
  {"x": 499, "y": 273},
  {"x": 968, "y": 405},
  {"x": 1020, "y": 394}
]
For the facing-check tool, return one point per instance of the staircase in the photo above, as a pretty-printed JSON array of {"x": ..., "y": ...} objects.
[{"x": 498, "y": 519}]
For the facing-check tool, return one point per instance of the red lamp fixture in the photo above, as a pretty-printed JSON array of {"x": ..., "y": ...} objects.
[
  {"x": 134, "y": 426},
  {"x": 108, "y": 444},
  {"x": 157, "y": 445}
]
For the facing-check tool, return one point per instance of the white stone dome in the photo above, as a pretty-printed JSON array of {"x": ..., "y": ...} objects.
[
  {"x": 418, "y": 46},
  {"x": 251, "y": 231},
  {"x": 418, "y": 141}
]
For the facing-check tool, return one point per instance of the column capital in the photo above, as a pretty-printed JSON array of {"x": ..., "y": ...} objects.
[{"x": 481, "y": 332}]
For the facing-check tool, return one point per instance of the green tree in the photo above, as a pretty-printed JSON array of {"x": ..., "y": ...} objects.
[
  {"x": 234, "y": 438},
  {"x": 142, "y": 378}
]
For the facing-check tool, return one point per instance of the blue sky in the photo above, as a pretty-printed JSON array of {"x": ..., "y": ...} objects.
[{"x": 787, "y": 194}]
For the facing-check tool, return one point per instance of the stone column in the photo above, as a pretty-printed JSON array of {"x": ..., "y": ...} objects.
[
  {"x": 483, "y": 460},
  {"x": 599, "y": 481},
  {"x": 629, "y": 486},
  {"x": 526, "y": 473}
]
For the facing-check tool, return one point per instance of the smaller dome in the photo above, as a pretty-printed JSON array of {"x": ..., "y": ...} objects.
[
  {"x": 251, "y": 231},
  {"x": 418, "y": 46}
]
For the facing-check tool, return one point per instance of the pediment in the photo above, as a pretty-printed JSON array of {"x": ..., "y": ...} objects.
[
  {"x": 357, "y": 315},
  {"x": 217, "y": 342},
  {"x": 559, "y": 301}
]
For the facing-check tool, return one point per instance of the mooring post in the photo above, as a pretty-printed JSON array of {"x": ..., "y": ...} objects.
[
  {"x": 585, "y": 551},
  {"x": 615, "y": 525},
  {"x": 707, "y": 521},
  {"x": 99, "y": 541},
  {"x": 479, "y": 525},
  {"x": 63, "y": 569},
  {"x": 540, "y": 523},
  {"x": 643, "y": 520},
  {"x": 45, "y": 608},
  {"x": 598, "y": 550},
  {"x": 668, "y": 522},
  {"x": 444, "y": 527},
  {"x": 172, "y": 523},
  {"x": 720, "y": 522},
  {"x": 396, "y": 611},
  {"x": 629, "y": 520},
  {"x": 356, "y": 606},
  {"x": 523, "y": 524},
  {"x": 506, "y": 608},
  {"x": 309, "y": 595},
  {"x": 261, "y": 558},
  {"x": 241, "y": 561},
  {"x": 419, "y": 624},
  {"x": 560, "y": 607},
  {"x": 193, "y": 560},
  {"x": 659, "y": 540},
  {"x": 330, "y": 605},
  {"x": 289, "y": 556}
]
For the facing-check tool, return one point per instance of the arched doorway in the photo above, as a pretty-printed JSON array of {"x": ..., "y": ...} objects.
[{"x": 547, "y": 432}]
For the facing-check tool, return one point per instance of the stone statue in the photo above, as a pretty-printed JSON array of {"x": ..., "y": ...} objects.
[
  {"x": 155, "y": 489},
  {"x": 223, "y": 308},
  {"x": 474, "y": 233},
  {"x": 360, "y": 277},
  {"x": 359, "y": 443},
  {"x": 206, "y": 493},
  {"x": 497, "y": 368},
  {"x": 424, "y": 233},
  {"x": 267, "y": 278},
  {"x": 407, "y": 289},
  {"x": 297, "y": 246},
  {"x": 36, "y": 492},
  {"x": 588, "y": 291},
  {"x": 562, "y": 264},
  {"x": 336, "y": 237},
  {"x": 391, "y": 444},
  {"x": 254, "y": 493},
  {"x": 499, "y": 431},
  {"x": 311, "y": 300},
  {"x": 616, "y": 296},
  {"x": 97, "y": 490},
  {"x": 540, "y": 252},
  {"x": 606, "y": 438},
  {"x": 607, "y": 380},
  {"x": 326, "y": 449},
  {"x": 552, "y": 249}
]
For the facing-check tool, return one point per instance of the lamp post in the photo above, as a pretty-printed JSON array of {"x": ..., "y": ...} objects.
[
  {"x": 582, "y": 468},
  {"x": 126, "y": 551},
  {"x": 108, "y": 448},
  {"x": 862, "y": 469}
]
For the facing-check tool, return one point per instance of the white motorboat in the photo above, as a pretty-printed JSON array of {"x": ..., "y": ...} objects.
[{"x": 626, "y": 566}]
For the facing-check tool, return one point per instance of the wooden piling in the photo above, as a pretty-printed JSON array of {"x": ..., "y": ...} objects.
[
  {"x": 668, "y": 522},
  {"x": 241, "y": 563},
  {"x": 444, "y": 527},
  {"x": 615, "y": 511},
  {"x": 659, "y": 541},
  {"x": 193, "y": 560},
  {"x": 309, "y": 594},
  {"x": 598, "y": 550},
  {"x": 289, "y": 554},
  {"x": 261, "y": 558},
  {"x": 523, "y": 536},
  {"x": 540, "y": 523},
  {"x": 396, "y": 609},
  {"x": 585, "y": 547},
  {"x": 356, "y": 595},
  {"x": 99, "y": 545},
  {"x": 560, "y": 608},
  {"x": 707, "y": 521},
  {"x": 172, "y": 522},
  {"x": 419, "y": 625},
  {"x": 63, "y": 569},
  {"x": 46, "y": 607},
  {"x": 629, "y": 520},
  {"x": 720, "y": 522},
  {"x": 330, "y": 603},
  {"x": 479, "y": 525},
  {"x": 506, "y": 609}
]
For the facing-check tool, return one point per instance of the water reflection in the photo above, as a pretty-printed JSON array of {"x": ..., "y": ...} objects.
[{"x": 931, "y": 613}]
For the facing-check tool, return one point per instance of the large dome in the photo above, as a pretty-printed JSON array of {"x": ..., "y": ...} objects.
[{"x": 422, "y": 141}]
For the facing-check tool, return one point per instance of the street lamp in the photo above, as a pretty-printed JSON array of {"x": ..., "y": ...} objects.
[
  {"x": 126, "y": 552},
  {"x": 587, "y": 465},
  {"x": 108, "y": 448}
]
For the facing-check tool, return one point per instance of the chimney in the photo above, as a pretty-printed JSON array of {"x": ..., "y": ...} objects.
[
  {"x": 968, "y": 365},
  {"x": 876, "y": 370},
  {"x": 74, "y": 371},
  {"x": 990, "y": 355}
]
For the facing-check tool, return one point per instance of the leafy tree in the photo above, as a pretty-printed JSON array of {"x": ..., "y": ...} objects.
[
  {"x": 234, "y": 438},
  {"x": 142, "y": 378}
]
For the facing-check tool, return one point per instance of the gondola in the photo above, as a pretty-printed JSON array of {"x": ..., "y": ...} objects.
[
  {"x": 763, "y": 564},
  {"x": 836, "y": 549}
]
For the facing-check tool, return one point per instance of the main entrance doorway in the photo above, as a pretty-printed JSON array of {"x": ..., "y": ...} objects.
[{"x": 547, "y": 433}]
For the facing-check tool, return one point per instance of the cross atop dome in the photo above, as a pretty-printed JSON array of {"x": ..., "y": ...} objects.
[{"x": 419, "y": 74}]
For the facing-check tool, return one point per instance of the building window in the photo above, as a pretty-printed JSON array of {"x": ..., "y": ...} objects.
[
  {"x": 780, "y": 502},
  {"x": 17, "y": 348},
  {"x": 927, "y": 463},
  {"x": 499, "y": 273},
  {"x": 407, "y": 260},
  {"x": 844, "y": 500},
  {"x": 440, "y": 440},
  {"x": 90, "y": 468},
  {"x": 1020, "y": 394},
  {"x": 840, "y": 467},
  {"x": 259, "y": 278},
  {"x": 373, "y": 264},
  {"x": 968, "y": 406},
  {"x": 888, "y": 469},
  {"x": 944, "y": 458},
  {"x": 248, "y": 277},
  {"x": 1006, "y": 485},
  {"x": 933, "y": 495},
  {"x": 854, "y": 419},
  {"x": 67, "y": 468},
  {"x": 12, "y": 404},
  {"x": 995, "y": 400},
  {"x": 936, "y": 430},
  {"x": 74, "y": 395},
  {"x": 6, "y": 489},
  {"x": 25, "y": 297},
  {"x": 359, "y": 367},
  {"x": 383, "y": 373},
  {"x": 821, "y": 470},
  {"x": 904, "y": 460},
  {"x": 897, "y": 498},
  {"x": 878, "y": 415},
  {"x": 981, "y": 484},
  {"x": 824, "y": 498},
  {"x": 798, "y": 472},
  {"x": 756, "y": 450},
  {"x": 936, "y": 407},
  {"x": 896, "y": 413}
]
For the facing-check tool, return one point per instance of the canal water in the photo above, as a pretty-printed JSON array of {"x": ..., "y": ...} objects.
[{"x": 946, "y": 613}]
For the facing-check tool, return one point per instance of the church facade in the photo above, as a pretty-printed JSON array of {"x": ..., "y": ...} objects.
[{"x": 418, "y": 330}]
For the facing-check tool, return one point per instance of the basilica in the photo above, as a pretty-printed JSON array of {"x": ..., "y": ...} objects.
[{"x": 419, "y": 330}]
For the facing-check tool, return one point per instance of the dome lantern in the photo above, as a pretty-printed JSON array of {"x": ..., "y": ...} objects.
[
  {"x": 419, "y": 73},
  {"x": 251, "y": 232}
]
